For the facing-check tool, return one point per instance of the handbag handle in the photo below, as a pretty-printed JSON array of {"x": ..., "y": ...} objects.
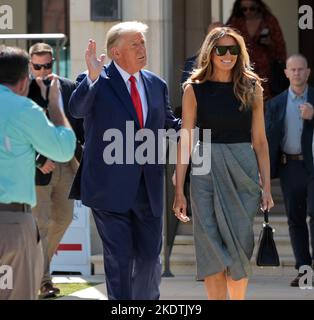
[{"x": 266, "y": 215}]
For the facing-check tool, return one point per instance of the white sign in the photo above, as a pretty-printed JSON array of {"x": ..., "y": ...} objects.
[{"x": 73, "y": 254}]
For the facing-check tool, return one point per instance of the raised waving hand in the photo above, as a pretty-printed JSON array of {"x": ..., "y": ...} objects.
[{"x": 94, "y": 64}]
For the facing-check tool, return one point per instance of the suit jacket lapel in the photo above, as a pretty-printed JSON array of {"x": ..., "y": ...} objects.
[
  {"x": 148, "y": 88},
  {"x": 283, "y": 106},
  {"x": 65, "y": 101},
  {"x": 310, "y": 97},
  {"x": 118, "y": 85}
]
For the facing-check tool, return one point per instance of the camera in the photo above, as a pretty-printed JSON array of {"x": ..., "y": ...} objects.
[{"x": 47, "y": 82}]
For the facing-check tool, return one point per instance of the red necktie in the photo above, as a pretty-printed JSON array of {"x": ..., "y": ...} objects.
[{"x": 136, "y": 101}]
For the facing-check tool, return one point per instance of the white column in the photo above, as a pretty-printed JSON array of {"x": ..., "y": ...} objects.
[
  {"x": 227, "y": 9},
  {"x": 81, "y": 30},
  {"x": 151, "y": 13}
]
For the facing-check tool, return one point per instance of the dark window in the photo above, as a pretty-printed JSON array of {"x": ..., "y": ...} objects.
[
  {"x": 51, "y": 16},
  {"x": 109, "y": 10}
]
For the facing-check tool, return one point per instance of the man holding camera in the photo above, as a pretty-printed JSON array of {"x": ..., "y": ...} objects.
[
  {"x": 24, "y": 128},
  {"x": 54, "y": 211}
]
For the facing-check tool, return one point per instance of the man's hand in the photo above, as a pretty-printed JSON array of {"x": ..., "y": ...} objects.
[
  {"x": 42, "y": 86},
  {"x": 53, "y": 85},
  {"x": 48, "y": 167},
  {"x": 54, "y": 90},
  {"x": 94, "y": 64},
  {"x": 307, "y": 111}
]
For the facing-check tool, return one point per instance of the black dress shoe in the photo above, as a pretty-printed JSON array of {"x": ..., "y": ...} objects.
[
  {"x": 55, "y": 289},
  {"x": 48, "y": 291}
]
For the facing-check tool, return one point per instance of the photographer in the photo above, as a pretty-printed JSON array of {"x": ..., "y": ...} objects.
[
  {"x": 24, "y": 128},
  {"x": 264, "y": 40},
  {"x": 54, "y": 211}
]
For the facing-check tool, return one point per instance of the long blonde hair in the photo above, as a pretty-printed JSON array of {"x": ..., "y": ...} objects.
[{"x": 243, "y": 77}]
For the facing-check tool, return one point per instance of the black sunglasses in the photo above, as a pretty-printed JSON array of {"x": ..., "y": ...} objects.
[
  {"x": 252, "y": 9},
  {"x": 222, "y": 50},
  {"x": 45, "y": 66}
]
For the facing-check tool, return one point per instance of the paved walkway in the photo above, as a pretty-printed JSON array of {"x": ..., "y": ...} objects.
[{"x": 265, "y": 284}]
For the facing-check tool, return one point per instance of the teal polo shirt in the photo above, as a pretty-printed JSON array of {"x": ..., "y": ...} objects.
[{"x": 24, "y": 129}]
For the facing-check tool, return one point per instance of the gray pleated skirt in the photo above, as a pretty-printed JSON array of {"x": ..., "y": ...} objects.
[{"x": 225, "y": 197}]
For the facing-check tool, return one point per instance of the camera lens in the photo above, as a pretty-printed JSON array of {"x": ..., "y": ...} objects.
[{"x": 47, "y": 82}]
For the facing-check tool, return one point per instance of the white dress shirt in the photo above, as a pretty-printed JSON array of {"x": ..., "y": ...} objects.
[{"x": 139, "y": 84}]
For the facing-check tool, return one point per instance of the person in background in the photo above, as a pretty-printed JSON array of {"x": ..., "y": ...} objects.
[
  {"x": 223, "y": 95},
  {"x": 264, "y": 39},
  {"x": 24, "y": 129},
  {"x": 54, "y": 211},
  {"x": 289, "y": 127}
]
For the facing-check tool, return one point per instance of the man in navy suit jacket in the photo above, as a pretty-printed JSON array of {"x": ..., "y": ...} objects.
[
  {"x": 126, "y": 196},
  {"x": 289, "y": 128}
]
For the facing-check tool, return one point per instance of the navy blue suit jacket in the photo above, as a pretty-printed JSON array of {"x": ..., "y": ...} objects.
[
  {"x": 189, "y": 65},
  {"x": 108, "y": 105},
  {"x": 275, "y": 126}
]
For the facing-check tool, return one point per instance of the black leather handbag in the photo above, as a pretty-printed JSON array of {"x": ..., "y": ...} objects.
[{"x": 267, "y": 254}]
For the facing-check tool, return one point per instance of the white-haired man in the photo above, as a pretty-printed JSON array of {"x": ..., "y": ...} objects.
[{"x": 126, "y": 199}]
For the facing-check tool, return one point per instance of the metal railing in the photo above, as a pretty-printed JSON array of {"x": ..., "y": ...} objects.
[{"x": 60, "y": 39}]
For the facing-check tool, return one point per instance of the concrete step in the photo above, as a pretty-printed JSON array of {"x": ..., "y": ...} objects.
[
  {"x": 185, "y": 228},
  {"x": 183, "y": 262},
  {"x": 279, "y": 207},
  {"x": 98, "y": 264},
  {"x": 185, "y": 265},
  {"x": 282, "y": 243},
  {"x": 185, "y": 245},
  {"x": 278, "y": 223}
]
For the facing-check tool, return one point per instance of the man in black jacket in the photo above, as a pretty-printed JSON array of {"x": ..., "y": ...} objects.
[
  {"x": 54, "y": 211},
  {"x": 289, "y": 128}
]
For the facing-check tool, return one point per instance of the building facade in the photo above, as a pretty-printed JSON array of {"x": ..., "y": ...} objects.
[{"x": 176, "y": 31}]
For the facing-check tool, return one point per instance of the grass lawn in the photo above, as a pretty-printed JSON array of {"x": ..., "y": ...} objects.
[{"x": 68, "y": 288}]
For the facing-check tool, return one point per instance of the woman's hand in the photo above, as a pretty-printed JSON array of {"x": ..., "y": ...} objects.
[
  {"x": 267, "y": 201},
  {"x": 179, "y": 207}
]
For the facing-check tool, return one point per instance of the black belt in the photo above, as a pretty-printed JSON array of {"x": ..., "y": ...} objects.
[
  {"x": 15, "y": 207},
  {"x": 295, "y": 157}
]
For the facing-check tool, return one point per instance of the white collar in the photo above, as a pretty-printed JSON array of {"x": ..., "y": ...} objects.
[
  {"x": 302, "y": 96},
  {"x": 125, "y": 75}
]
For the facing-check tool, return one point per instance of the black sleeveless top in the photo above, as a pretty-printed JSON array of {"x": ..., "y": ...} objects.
[{"x": 218, "y": 110}]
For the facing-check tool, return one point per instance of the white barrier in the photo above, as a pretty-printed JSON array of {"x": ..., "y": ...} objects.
[{"x": 73, "y": 253}]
